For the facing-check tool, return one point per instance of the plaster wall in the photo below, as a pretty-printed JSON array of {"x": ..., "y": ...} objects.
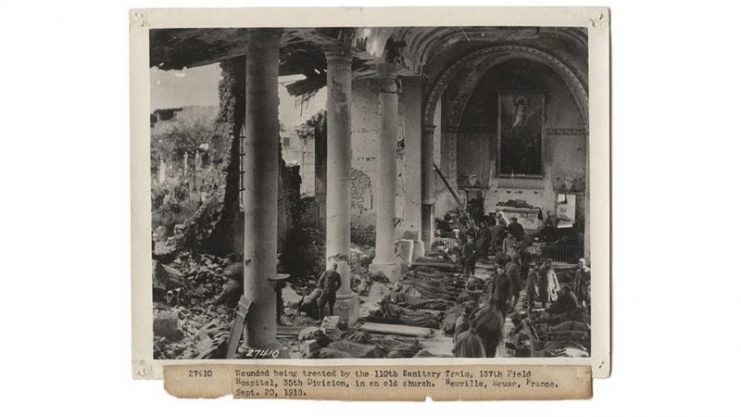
[{"x": 365, "y": 131}]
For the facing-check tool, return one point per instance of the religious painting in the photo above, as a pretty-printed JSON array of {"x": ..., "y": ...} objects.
[{"x": 520, "y": 134}]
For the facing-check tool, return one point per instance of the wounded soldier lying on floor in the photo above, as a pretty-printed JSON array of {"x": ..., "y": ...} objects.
[
  {"x": 436, "y": 304},
  {"x": 551, "y": 336},
  {"x": 392, "y": 313},
  {"x": 406, "y": 296},
  {"x": 392, "y": 346},
  {"x": 346, "y": 349}
]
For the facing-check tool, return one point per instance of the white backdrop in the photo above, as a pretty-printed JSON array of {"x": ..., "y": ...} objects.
[{"x": 64, "y": 226}]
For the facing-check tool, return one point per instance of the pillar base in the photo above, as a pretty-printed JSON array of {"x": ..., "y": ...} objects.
[
  {"x": 269, "y": 344},
  {"x": 347, "y": 306},
  {"x": 419, "y": 249},
  {"x": 391, "y": 270},
  {"x": 409, "y": 250}
]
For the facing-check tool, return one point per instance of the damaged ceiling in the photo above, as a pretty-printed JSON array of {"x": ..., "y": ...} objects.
[{"x": 416, "y": 50}]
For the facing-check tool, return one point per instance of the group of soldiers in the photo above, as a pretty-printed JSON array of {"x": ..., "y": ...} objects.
[
  {"x": 491, "y": 236},
  {"x": 479, "y": 328}
]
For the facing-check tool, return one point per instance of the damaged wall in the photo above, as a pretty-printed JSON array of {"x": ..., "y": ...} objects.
[
  {"x": 364, "y": 150},
  {"x": 365, "y": 131},
  {"x": 228, "y": 233}
]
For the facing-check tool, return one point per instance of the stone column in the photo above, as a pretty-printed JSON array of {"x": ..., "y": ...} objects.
[
  {"x": 428, "y": 186},
  {"x": 388, "y": 96},
  {"x": 411, "y": 106},
  {"x": 320, "y": 177},
  {"x": 411, "y": 103},
  {"x": 260, "y": 196},
  {"x": 339, "y": 162}
]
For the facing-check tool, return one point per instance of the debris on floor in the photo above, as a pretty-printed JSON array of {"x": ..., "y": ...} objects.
[{"x": 414, "y": 317}]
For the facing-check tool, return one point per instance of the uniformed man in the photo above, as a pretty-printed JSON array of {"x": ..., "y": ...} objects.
[
  {"x": 531, "y": 285},
  {"x": 516, "y": 229},
  {"x": 513, "y": 272},
  {"x": 469, "y": 256},
  {"x": 501, "y": 290},
  {"x": 329, "y": 282},
  {"x": 582, "y": 283},
  {"x": 234, "y": 288}
]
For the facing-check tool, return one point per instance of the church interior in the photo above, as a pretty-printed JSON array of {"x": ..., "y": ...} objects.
[{"x": 436, "y": 206}]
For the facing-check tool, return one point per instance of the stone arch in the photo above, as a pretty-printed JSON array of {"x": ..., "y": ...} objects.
[{"x": 481, "y": 61}]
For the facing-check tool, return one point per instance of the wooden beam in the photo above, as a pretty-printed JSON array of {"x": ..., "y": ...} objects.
[
  {"x": 397, "y": 329},
  {"x": 289, "y": 331},
  {"x": 235, "y": 335}
]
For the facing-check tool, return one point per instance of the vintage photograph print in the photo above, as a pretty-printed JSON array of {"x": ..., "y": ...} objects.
[{"x": 377, "y": 192}]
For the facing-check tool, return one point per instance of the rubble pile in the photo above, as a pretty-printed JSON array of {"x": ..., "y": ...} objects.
[
  {"x": 195, "y": 229},
  {"x": 187, "y": 322},
  {"x": 203, "y": 332}
]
